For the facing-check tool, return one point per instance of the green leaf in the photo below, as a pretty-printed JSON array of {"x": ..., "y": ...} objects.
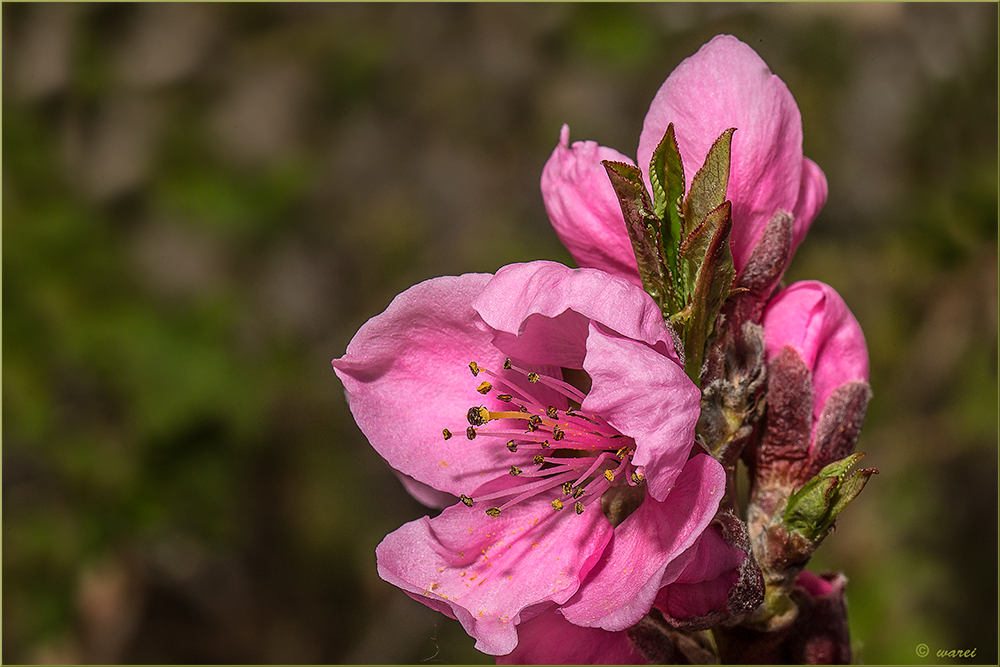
[
  {"x": 642, "y": 226},
  {"x": 708, "y": 263},
  {"x": 666, "y": 175},
  {"x": 708, "y": 187},
  {"x": 812, "y": 510}
]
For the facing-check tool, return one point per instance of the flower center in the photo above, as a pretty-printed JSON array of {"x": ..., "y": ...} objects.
[{"x": 581, "y": 455}]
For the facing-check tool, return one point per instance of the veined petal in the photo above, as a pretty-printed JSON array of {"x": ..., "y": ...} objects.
[
  {"x": 549, "y": 639},
  {"x": 811, "y": 318},
  {"x": 406, "y": 373},
  {"x": 726, "y": 84},
  {"x": 623, "y": 585},
  {"x": 646, "y": 396},
  {"x": 486, "y": 570},
  {"x": 584, "y": 209},
  {"x": 541, "y": 310}
]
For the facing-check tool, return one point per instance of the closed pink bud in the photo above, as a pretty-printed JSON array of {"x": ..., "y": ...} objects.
[{"x": 812, "y": 319}]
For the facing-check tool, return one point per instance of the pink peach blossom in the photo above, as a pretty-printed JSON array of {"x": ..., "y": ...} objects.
[
  {"x": 725, "y": 84},
  {"x": 574, "y": 389}
]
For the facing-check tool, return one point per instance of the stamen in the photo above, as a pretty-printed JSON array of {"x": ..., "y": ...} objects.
[
  {"x": 584, "y": 464},
  {"x": 477, "y": 415}
]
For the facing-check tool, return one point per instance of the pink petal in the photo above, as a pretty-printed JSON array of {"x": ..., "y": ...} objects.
[
  {"x": 647, "y": 396},
  {"x": 407, "y": 377},
  {"x": 425, "y": 494},
  {"x": 812, "y": 319},
  {"x": 812, "y": 197},
  {"x": 549, "y": 639},
  {"x": 541, "y": 312},
  {"x": 726, "y": 84},
  {"x": 584, "y": 209},
  {"x": 487, "y": 570},
  {"x": 624, "y": 583},
  {"x": 704, "y": 584}
]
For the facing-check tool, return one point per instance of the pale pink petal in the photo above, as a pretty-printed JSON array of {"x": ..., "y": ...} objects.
[
  {"x": 584, "y": 209},
  {"x": 541, "y": 310},
  {"x": 425, "y": 494},
  {"x": 623, "y": 585},
  {"x": 407, "y": 378},
  {"x": 487, "y": 570},
  {"x": 646, "y": 396},
  {"x": 726, "y": 84},
  {"x": 704, "y": 584},
  {"x": 549, "y": 639},
  {"x": 812, "y": 197},
  {"x": 812, "y": 319}
]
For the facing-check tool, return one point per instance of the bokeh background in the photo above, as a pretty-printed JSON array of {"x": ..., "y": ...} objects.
[{"x": 202, "y": 203}]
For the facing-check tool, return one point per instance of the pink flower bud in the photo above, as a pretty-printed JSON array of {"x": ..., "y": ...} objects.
[{"x": 812, "y": 319}]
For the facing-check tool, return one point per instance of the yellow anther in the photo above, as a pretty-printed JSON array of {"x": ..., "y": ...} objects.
[
  {"x": 478, "y": 415},
  {"x": 545, "y": 444},
  {"x": 446, "y": 433},
  {"x": 567, "y": 488},
  {"x": 507, "y": 364},
  {"x": 636, "y": 477},
  {"x": 557, "y": 504},
  {"x": 623, "y": 452},
  {"x": 466, "y": 500},
  {"x": 551, "y": 412},
  {"x": 511, "y": 445},
  {"x": 578, "y": 491},
  {"x": 558, "y": 433},
  {"x": 608, "y": 475},
  {"x": 493, "y": 511},
  {"x": 515, "y": 471},
  {"x": 579, "y": 507},
  {"x": 539, "y": 459},
  {"x": 474, "y": 367},
  {"x": 484, "y": 388},
  {"x": 470, "y": 433},
  {"x": 533, "y": 377},
  {"x": 506, "y": 398}
]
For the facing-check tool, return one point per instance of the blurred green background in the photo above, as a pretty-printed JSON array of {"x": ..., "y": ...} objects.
[{"x": 202, "y": 203}]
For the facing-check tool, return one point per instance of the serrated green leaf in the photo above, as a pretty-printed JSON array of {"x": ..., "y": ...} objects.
[
  {"x": 812, "y": 510},
  {"x": 709, "y": 185},
  {"x": 666, "y": 175},
  {"x": 642, "y": 226},
  {"x": 709, "y": 263}
]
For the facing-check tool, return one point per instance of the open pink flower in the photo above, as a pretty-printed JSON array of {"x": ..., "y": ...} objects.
[
  {"x": 574, "y": 389},
  {"x": 725, "y": 84}
]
